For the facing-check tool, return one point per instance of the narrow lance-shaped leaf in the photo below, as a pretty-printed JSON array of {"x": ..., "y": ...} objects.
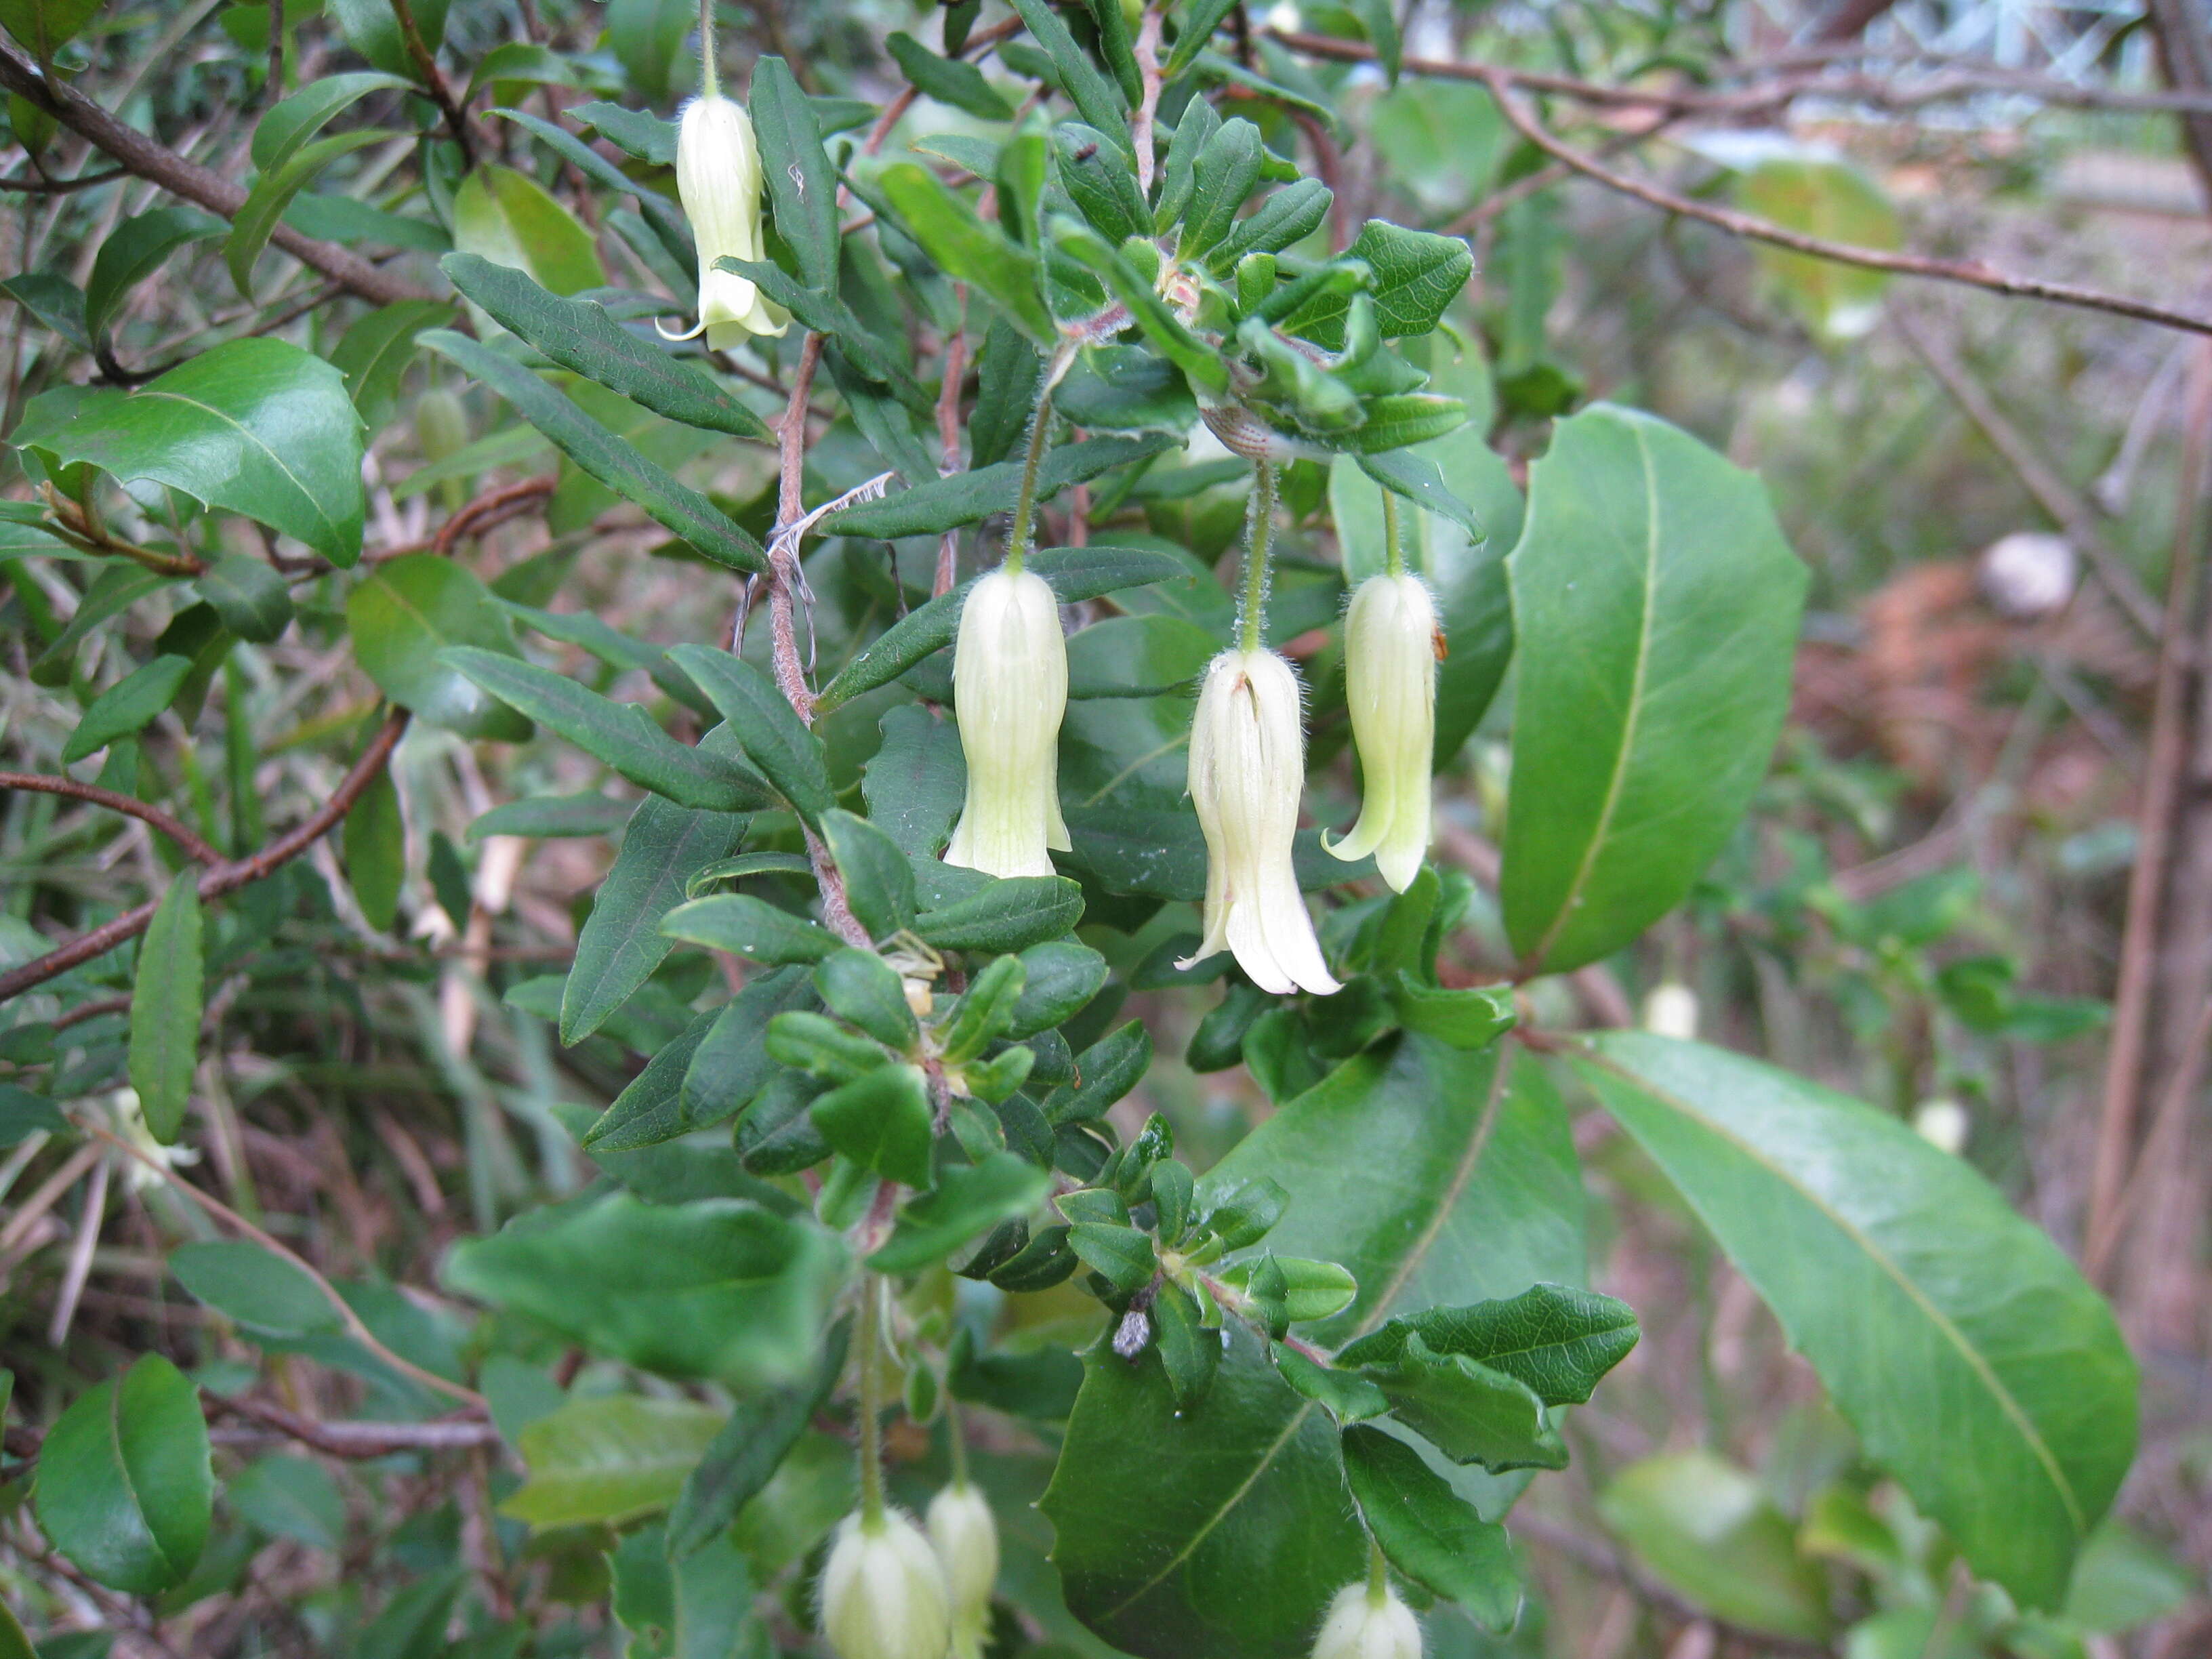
[
  {"x": 166, "y": 1003},
  {"x": 801, "y": 184}
]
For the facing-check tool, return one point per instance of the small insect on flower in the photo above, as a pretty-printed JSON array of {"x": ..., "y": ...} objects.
[
  {"x": 718, "y": 174},
  {"x": 1247, "y": 764},
  {"x": 965, "y": 1536},
  {"x": 1363, "y": 1625},
  {"x": 1009, "y": 692},
  {"x": 1390, "y": 684},
  {"x": 883, "y": 1592}
]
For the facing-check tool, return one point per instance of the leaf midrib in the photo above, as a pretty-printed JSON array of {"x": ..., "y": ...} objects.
[{"x": 254, "y": 438}]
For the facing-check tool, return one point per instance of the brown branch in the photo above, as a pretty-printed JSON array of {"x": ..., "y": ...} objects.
[
  {"x": 426, "y": 64},
  {"x": 179, "y": 176},
  {"x": 63, "y": 187},
  {"x": 195, "y": 845},
  {"x": 351, "y": 1439},
  {"x": 224, "y": 877},
  {"x": 492, "y": 509}
]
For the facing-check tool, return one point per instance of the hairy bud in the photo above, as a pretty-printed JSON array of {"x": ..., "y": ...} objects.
[
  {"x": 1247, "y": 764},
  {"x": 1671, "y": 1011},
  {"x": 718, "y": 174},
  {"x": 1390, "y": 683},
  {"x": 883, "y": 1591},
  {"x": 1361, "y": 1626},
  {"x": 965, "y": 1536},
  {"x": 1009, "y": 691}
]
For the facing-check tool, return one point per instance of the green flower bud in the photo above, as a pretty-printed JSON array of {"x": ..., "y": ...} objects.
[
  {"x": 1362, "y": 1626},
  {"x": 883, "y": 1591},
  {"x": 1248, "y": 765},
  {"x": 965, "y": 1536},
  {"x": 1390, "y": 640},
  {"x": 1009, "y": 691},
  {"x": 718, "y": 174}
]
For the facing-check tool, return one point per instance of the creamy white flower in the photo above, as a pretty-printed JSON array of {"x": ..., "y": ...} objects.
[
  {"x": 1247, "y": 764},
  {"x": 718, "y": 174},
  {"x": 1671, "y": 1011},
  {"x": 1390, "y": 683},
  {"x": 965, "y": 1536},
  {"x": 1359, "y": 1626},
  {"x": 1009, "y": 691},
  {"x": 883, "y": 1591}
]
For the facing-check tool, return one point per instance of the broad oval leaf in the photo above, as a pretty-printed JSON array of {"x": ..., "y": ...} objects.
[
  {"x": 609, "y": 1460},
  {"x": 253, "y": 1286},
  {"x": 405, "y": 616},
  {"x": 1976, "y": 1364},
  {"x": 126, "y": 1489},
  {"x": 1655, "y": 608}
]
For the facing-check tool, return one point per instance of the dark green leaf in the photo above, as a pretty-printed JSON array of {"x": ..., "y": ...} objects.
[
  {"x": 54, "y": 300},
  {"x": 1009, "y": 915},
  {"x": 748, "y": 927},
  {"x": 1121, "y": 1254},
  {"x": 1224, "y": 176},
  {"x": 272, "y": 194},
  {"x": 746, "y": 1451},
  {"x": 880, "y": 1121},
  {"x": 731, "y": 1066},
  {"x": 127, "y": 706},
  {"x": 375, "y": 846},
  {"x": 1190, "y": 1353},
  {"x": 801, "y": 183},
  {"x": 1097, "y": 97},
  {"x": 23, "y": 1114},
  {"x": 775, "y": 739},
  {"x": 1471, "y": 1413},
  {"x": 254, "y": 602},
  {"x": 1431, "y": 1533},
  {"x": 650, "y": 1108},
  {"x": 552, "y": 817},
  {"x": 969, "y": 1201},
  {"x": 915, "y": 783},
  {"x": 1416, "y": 274},
  {"x": 166, "y": 1003},
  {"x": 862, "y": 989},
  {"x": 134, "y": 251},
  {"x": 1105, "y": 1071},
  {"x": 125, "y": 1487},
  {"x": 1058, "y": 978},
  {"x": 374, "y": 352},
  {"x": 879, "y": 879},
  {"x": 260, "y": 1291},
  {"x": 1560, "y": 1342},
  {"x": 947, "y": 79},
  {"x": 403, "y": 618}
]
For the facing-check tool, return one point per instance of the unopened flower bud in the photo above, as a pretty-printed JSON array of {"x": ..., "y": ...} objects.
[
  {"x": 1391, "y": 641},
  {"x": 1247, "y": 764},
  {"x": 1361, "y": 1626},
  {"x": 965, "y": 1535},
  {"x": 718, "y": 174},
  {"x": 1943, "y": 1124},
  {"x": 1009, "y": 691},
  {"x": 1671, "y": 1011},
  {"x": 883, "y": 1591}
]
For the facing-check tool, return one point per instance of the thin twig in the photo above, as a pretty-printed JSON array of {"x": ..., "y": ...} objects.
[
  {"x": 63, "y": 187},
  {"x": 426, "y": 63},
  {"x": 225, "y": 878},
  {"x": 361, "y": 1439},
  {"x": 196, "y": 845}
]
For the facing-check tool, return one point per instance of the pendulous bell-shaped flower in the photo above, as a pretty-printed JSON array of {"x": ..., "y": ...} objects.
[
  {"x": 1009, "y": 691},
  {"x": 1390, "y": 640},
  {"x": 965, "y": 1535},
  {"x": 1364, "y": 1624},
  {"x": 718, "y": 174},
  {"x": 1247, "y": 753},
  {"x": 883, "y": 1591}
]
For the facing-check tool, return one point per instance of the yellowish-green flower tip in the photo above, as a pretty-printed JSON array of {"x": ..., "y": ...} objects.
[
  {"x": 1009, "y": 692},
  {"x": 883, "y": 1591},
  {"x": 1390, "y": 683},
  {"x": 1362, "y": 1626},
  {"x": 1247, "y": 763},
  {"x": 718, "y": 174},
  {"x": 965, "y": 1535}
]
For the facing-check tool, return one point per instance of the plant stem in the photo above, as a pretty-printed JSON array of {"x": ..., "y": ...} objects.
[
  {"x": 710, "y": 80},
  {"x": 959, "y": 1441},
  {"x": 871, "y": 1405},
  {"x": 1394, "y": 549},
  {"x": 1258, "y": 546},
  {"x": 1024, "y": 526},
  {"x": 1378, "y": 1574}
]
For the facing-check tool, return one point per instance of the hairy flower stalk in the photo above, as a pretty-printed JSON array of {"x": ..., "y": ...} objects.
[
  {"x": 965, "y": 1536},
  {"x": 1009, "y": 691},
  {"x": 1390, "y": 683},
  {"x": 718, "y": 175},
  {"x": 1248, "y": 763},
  {"x": 884, "y": 1592},
  {"x": 1368, "y": 1621}
]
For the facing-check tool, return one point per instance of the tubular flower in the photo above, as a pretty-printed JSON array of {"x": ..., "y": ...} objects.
[
  {"x": 1390, "y": 681},
  {"x": 965, "y": 1536},
  {"x": 883, "y": 1591},
  {"x": 1248, "y": 752},
  {"x": 1362, "y": 1625},
  {"x": 718, "y": 174},
  {"x": 1009, "y": 691}
]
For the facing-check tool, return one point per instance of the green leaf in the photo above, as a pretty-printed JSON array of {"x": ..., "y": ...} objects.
[
  {"x": 969, "y": 1201},
  {"x": 1222, "y": 1527},
  {"x": 1416, "y": 274},
  {"x": 1833, "y": 200},
  {"x": 1655, "y": 606},
  {"x": 731, "y": 1066},
  {"x": 47, "y": 26},
  {"x": 1098, "y": 178},
  {"x": 272, "y": 194},
  {"x": 1059, "y": 978},
  {"x": 1380, "y": 25},
  {"x": 609, "y": 1460},
  {"x": 775, "y": 739},
  {"x": 679, "y": 509},
  {"x": 1009, "y": 915},
  {"x": 1198, "y": 21},
  {"x": 507, "y": 217},
  {"x": 1306, "y": 1289},
  {"x": 1076, "y": 573},
  {"x": 1708, "y": 1530},
  {"x": 54, "y": 300},
  {"x": 1975, "y": 1364},
  {"x": 255, "y": 427},
  {"x": 402, "y": 618},
  {"x": 166, "y": 1003},
  {"x": 1097, "y": 97},
  {"x": 1560, "y": 1342},
  {"x": 126, "y": 707},
  {"x": 860, "y": 987},
  {"x": 134, "y": 251},
  {"x": 544, "y": 817},
  {"x": 1122, "y": 1255},
  {"x": 879, "y": 879},
  {"x": 647, "y": 35},
  {"x": 915, "y": 783},
  {"x": 1468, "y": 1411},
  {"x": 1224, "y": 176},
  {"x": 1431, "y": 1534},
  {"x": 1197, "y": 358},
  {"x": 23, "y": 1115},
  {"x": 880, "y": 1121},
  {"x": 969, "y": 250},
  {"x": 1190, "y": 1353},
  {"x": 124, "y": 1486},
  {"x": 620, "y": 734},
  {"x": 579, "y": 335},
  {"x": 1350, "y": 1396},
  {"x": 254, "y": 602},
  {"x": 948, "y": 79},
  {"x": 519, "y": 63},
  {"x": 746, "y": 1451},
  {"x": 750, "y": 927},
  {"x": 865, "y": 352},
  {"x": 374, "y": 353},
  {"x": 621, "y": 942},
  {"x": 256, "y": 1288},
  {"x": 294, "y": 1497},
  {"x": 372, "y": 28},
  {"x": 802, "y": 185},
  {"x": 643, "y": 135},
  {"x": 719, "y": 1288}
]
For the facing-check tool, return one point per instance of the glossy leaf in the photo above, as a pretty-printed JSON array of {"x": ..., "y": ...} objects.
[
  {"x": 134, "y": 251},
  {"x": 125, "y": 1487},
  {"x": 881, "y": 1120},
  {"x": 879, "y": 879},
  {"x": 1431, "y": 1533},
  {"x": 1655, "y": 605},
  {"x": 273, "y": 192},
  {"x": 1976, "y": 1364},
  {"x": 166, "y": 1004},
  {"x": 508, "y": 218}
]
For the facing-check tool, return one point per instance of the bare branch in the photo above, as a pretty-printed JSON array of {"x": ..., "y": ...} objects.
[{"x": 196, "y": 845}]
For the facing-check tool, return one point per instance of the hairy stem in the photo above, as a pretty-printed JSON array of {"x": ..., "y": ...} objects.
[
  {"x": 1024, "y": 530},
  {"x": 1394, "y": 549},
  {"x": 1259, "y": 548},
  {"x": 710, "y": 78},
  {"x": 870, "y": 1345}
]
